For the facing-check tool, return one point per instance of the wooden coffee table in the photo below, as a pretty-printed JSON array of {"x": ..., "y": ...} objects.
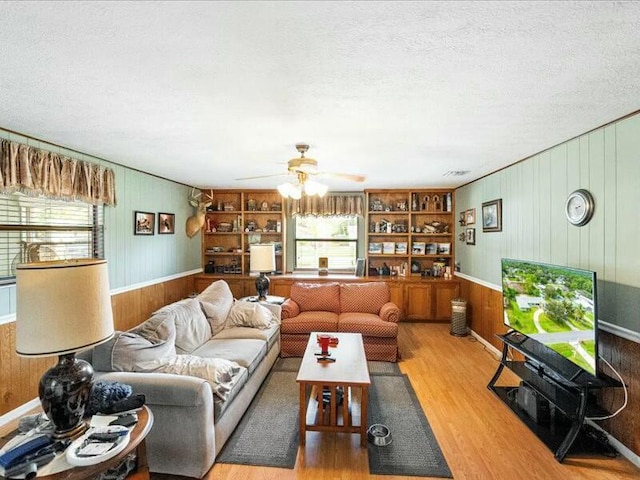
[{"x": 349, "y": 372}]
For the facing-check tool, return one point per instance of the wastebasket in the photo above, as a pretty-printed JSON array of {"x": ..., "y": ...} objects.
[{"x": 459, "y": 317}]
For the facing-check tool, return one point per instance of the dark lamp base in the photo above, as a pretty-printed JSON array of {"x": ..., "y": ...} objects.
[
  {"x": 262, "y": 285},
  {"x": 64, "y": 393}
]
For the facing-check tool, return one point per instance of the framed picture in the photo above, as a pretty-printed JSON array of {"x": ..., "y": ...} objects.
[
  {"x": 143, "y": 223},
  {"x": 471, "y": 236},
  {"x": 492, "y": 216},
  {"x": 470, "y": 216},
  {"x": 166, "y": 223},
  {"x": 359, "y": 267}
]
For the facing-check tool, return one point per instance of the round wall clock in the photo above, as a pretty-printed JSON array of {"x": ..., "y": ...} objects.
[{"x": 579, "y": 207}]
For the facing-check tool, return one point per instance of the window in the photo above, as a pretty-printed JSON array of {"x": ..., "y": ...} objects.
[
  {"x": 332, "y": 237},
  {"x": 35, "y": 229}
]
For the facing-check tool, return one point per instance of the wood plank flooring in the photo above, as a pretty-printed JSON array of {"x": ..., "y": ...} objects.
[{"x": 479, "y": 436}]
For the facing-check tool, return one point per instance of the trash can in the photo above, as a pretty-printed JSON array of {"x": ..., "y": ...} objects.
[{"x": 459, "y": 317}]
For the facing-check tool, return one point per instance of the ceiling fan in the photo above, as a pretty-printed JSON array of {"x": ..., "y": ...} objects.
[{"x": 304, "y": 169}]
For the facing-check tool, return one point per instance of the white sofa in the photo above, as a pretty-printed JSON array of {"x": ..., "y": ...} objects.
[{"x": 192, "y": 422}]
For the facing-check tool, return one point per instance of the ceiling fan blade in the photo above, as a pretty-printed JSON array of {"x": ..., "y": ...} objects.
[
  {"x": 343, "y": 176},
  {"x": 263, "y": 176}
]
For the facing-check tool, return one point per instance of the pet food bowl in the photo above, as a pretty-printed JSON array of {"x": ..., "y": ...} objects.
[{"x": 379, "y": 435}]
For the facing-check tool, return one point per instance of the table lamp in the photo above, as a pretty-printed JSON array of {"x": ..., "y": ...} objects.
[
  {"x": 63, "y": 307},
  {"x": 262, "y": 260}
]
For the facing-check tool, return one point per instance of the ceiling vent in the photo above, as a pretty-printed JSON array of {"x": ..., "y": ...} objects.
[{"x": 455, "y": 173}]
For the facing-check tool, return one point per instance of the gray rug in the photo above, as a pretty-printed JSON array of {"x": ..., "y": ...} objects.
[
  {"x": 268, "y": 432},
  {"x": 414, "y": 449}
]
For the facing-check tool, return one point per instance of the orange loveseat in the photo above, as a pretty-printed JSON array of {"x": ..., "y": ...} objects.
[{"x": 341, "y": 307}]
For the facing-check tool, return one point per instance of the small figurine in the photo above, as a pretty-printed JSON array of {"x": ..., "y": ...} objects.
[
  {"x": 264, "y": 206},
  {"x": 251, "y": 205}
]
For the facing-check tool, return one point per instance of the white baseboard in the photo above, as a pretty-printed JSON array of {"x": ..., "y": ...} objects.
[
  {"x": 489, "y": 346},
  {"x": 622, "y": 450}
]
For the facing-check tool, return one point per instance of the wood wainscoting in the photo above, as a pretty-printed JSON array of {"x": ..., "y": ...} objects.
[
  {"x": 484, "y": 317},
  {"x": 19, "y": 376}
]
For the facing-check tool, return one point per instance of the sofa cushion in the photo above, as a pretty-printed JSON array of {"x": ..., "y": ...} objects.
[
  {"x": 130, "y": 352},
  {"x": 248, "y": 314},
  {"x": 367, "y": 324},
  {"x": 308, "y": 322},
  {"x": 216, "y": 301},
  {"x": 247, "y": 352},
  {"x": 269, "y": 335},
  {"x": 363, "y": 297},
  {"x": 218, "y": 372},
  {"x": 192, "y": 327},
  {"x": 316, "y": 296},
  {"x": 219, "y": 405}
]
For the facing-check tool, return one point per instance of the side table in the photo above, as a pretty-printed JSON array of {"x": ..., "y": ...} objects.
[
  {"x": 136, "y": 444},
  {"x": 272, "y": 299}
]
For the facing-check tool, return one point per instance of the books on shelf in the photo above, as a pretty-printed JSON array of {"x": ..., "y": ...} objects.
[
  {"x": 401, "y": 248},
  {"x": 388, "y": 247},
  {"x": 375, "y": 247},
  {"x": 418, "y": 248}
]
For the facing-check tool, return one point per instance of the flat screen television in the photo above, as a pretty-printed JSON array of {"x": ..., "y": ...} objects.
[{"x": 555, "y": 306}]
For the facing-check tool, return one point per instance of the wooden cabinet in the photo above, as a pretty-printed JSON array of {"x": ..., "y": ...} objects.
[
  {"x": 410, "y": 230},
  {"x": 442, "y": 300},
  {"x": 235, "y": 220},
  {"x": 418, "y": 301}
]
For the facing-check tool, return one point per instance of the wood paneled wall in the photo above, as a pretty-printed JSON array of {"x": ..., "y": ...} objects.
[
  {"x": 19, "y": 377},
  {"x": 484, "y": 316}
]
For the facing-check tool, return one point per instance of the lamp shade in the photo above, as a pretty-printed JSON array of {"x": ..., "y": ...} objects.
[
  {"x": 262, "y": 257},
  {"x": 62, "y": 307}
]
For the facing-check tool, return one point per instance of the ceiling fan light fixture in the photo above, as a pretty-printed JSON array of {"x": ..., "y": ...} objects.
[
  {"x": 314, "y": 188},
  {"x": 289, "y": 190}
]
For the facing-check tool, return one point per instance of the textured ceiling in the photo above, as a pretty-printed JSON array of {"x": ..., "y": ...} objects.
[{"x": 206, "y": 92}]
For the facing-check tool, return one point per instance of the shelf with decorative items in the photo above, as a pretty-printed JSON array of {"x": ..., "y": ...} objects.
[
  {"x": 420, "y": 226},
  {"x": 234, "y": 221}
]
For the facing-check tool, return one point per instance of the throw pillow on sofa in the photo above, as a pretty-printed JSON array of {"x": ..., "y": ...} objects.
[
  {"x": 216, "y": 301},
  {"x": 246, "y": 314},
  {"x": 219, "y": 372},
  {"x": 130, "y": 352},
  {"x": 192, "y": 327}
]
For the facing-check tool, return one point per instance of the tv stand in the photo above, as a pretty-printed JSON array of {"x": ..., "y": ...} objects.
[{"x": 549, "y": 377}]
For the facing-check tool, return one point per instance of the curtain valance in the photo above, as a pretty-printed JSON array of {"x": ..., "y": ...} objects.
[
  {"x": 327, "y": 206},
  {"x": 33, "y": 171}
]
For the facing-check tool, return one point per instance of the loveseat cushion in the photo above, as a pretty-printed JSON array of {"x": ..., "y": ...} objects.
[
  {"x": 269, "y": 335},
  {"x": 130, "y": 352},
  {"x": 367, "y": 324},
  {"x": 363, "y": 297},
  {"x": 247, "y": 353},
  {"x": 192, "y": 327},
  {"x": 308, "y": 322},
  {"x": 216, "y": 301},
  {"x": 316, "y": 296}
]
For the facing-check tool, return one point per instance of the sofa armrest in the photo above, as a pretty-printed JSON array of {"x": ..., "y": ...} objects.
[
  {"x": 389, "y": 312},
  {"x": 165, "y": 389},
  {"x": 290, "y": 309}
]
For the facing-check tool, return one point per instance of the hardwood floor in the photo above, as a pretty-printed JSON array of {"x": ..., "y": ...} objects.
[{"x": 479, "y": 436}]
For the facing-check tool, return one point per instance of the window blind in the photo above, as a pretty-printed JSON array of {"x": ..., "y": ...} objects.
[{"x": 35, "y": 229}]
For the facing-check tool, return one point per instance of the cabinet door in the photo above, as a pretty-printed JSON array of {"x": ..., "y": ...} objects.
[
  {"x": 418, "y": 301},
  {"x": 444, "y": 293},
  {"x": 396, "y": 295}
]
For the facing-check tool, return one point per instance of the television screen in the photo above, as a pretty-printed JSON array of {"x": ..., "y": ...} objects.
[{"x": 553, "y": 305}]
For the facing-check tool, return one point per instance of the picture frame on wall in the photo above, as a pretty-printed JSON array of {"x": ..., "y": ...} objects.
[
  {"x": 470, "y": 216},
  {"x": 166, "y": 223},
  {"x": 143, "y": 223},
  {"x": 471, "y": 236},
  {"x": 492, "y": 216}
]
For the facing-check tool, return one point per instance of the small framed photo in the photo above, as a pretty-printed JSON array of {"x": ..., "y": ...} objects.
[
  {"x": 143, "y": 223},
  {"x": 166, "y": 223},
  {"x": 471, "y": 236},
  {"x": 492, "y": 216},
  {"x": 470, "y": 216}
]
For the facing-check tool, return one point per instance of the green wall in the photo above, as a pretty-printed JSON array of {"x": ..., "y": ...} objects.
[
  {"x": 133, "y": 259},
  {"x": 605, "y": 161}
]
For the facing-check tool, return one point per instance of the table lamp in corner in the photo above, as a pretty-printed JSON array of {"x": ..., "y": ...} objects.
[
  {"x": 262, "y": 260},
  {"x": 63, "y": 307}
]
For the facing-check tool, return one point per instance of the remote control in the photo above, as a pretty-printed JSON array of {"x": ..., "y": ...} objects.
[{"x": 15, "y": 455}]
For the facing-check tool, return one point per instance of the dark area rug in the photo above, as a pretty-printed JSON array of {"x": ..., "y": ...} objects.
[
  {"x": 414, "y": 449},
  {"x": 268, "y": 432}
]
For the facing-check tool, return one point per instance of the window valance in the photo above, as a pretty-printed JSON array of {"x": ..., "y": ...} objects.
[
  {"x": 329, "y": 205},
  {"x": 33, "y": 171}
]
